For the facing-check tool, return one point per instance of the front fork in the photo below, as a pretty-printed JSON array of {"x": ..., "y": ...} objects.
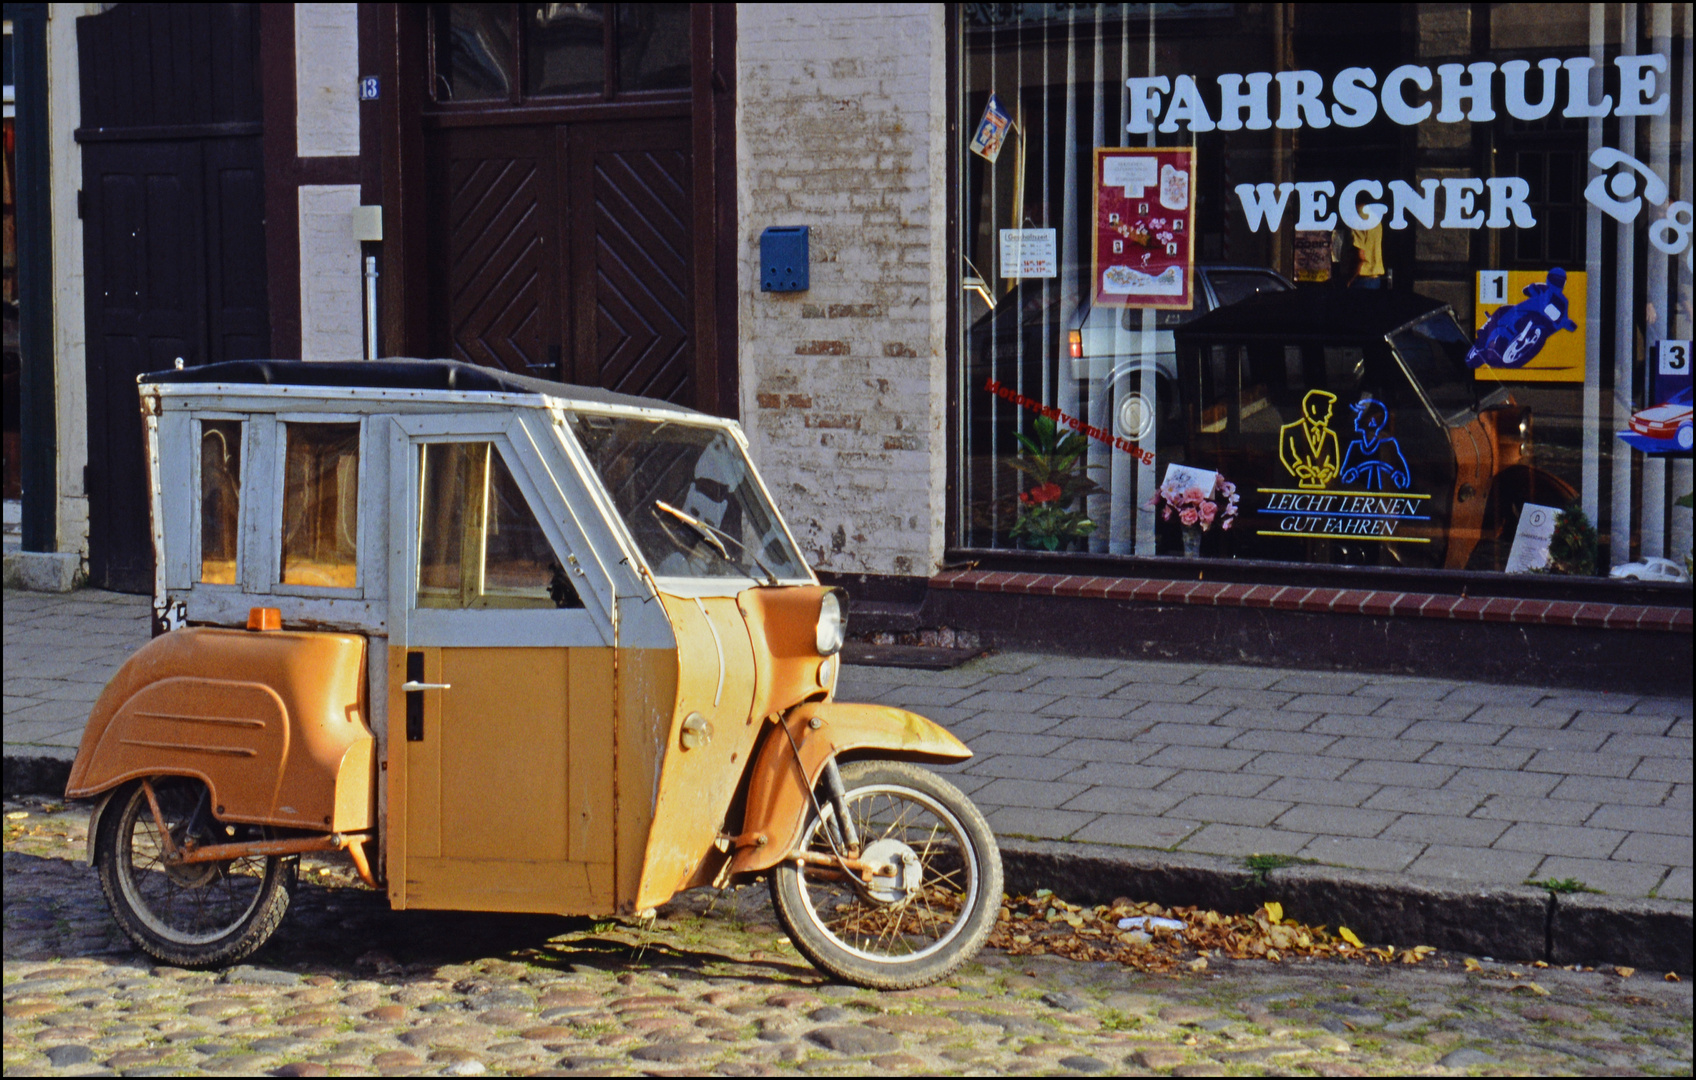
[{"x": 839, "y": 803}]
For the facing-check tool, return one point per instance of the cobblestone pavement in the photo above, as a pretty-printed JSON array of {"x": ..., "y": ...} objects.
[
  {"x": 348, "y": 987},
  {"x": 1458, "y": 782}
]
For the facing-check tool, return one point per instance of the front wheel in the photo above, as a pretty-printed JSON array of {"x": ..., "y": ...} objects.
[
  {"x": 197, "y": 915},
  {"x": 923, "y": 918}
]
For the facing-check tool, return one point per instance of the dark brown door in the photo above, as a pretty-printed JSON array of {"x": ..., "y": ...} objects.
[
  {"x": 567, "y": 252},
  {"x": 631, "y": 280},
  {"x": 496, "y": 264},
  {"x": 173, "y": 235}
]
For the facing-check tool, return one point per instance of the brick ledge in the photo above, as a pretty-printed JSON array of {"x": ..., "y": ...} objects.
[{"x": 1339, "y": 601}]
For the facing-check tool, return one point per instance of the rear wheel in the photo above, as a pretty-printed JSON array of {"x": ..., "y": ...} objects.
[
  {"x": 923, "y": 919},
  {"x": 197, "y": 915}
]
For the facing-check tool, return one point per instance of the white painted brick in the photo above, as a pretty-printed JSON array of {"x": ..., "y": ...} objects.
[
  {"x": 332, "y": 310},
  {"x": 326, "y": 72}
]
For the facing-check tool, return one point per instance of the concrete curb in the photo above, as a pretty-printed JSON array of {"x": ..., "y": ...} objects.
[
  {"x": 1506, "y": 922},
  {"x": 35, "y": 774}
]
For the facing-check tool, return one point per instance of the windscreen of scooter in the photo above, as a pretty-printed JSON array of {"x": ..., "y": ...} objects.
[{"x": 688, "y": 496}]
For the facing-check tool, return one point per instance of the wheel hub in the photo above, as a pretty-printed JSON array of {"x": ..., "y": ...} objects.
[{"x": 897, "y": 874}]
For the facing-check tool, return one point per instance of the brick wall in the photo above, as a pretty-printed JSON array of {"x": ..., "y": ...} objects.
[{"x": 840, "y": 126}]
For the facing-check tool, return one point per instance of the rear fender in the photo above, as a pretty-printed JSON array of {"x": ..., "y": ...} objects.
[
  {"x": 272, "y": 722},
  {"x": 94, "y": 822},
  {"x": 779, "y": 785}
]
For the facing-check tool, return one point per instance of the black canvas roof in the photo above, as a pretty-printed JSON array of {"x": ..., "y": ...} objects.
[
  {"x": 1328, "y": 313},
  {"x": 397, "y": 373}
]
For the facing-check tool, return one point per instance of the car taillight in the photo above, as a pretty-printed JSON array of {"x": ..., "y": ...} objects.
[{"x": 1075, "y": 344}]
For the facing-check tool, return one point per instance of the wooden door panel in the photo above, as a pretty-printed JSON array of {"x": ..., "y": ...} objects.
[
  {"x": 144, "y": 260},
  {"x": 497, "y": 191},
  {"x": 237, "y": 298},
  {"x": 631, "y": 282}
]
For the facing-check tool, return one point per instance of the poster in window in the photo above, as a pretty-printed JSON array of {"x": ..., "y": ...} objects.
[
  {"x": 1530, "y": 325},
  {"x": 1144, "y": 240}
]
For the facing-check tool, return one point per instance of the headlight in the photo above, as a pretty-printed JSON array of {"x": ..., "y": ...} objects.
[{"x": 833, "y": 623}]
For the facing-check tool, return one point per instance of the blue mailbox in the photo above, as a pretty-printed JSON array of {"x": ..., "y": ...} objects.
[{"x": 783, "y": 259}]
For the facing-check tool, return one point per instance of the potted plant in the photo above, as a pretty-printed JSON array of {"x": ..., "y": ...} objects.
[{"x": 1051, "y": 511}]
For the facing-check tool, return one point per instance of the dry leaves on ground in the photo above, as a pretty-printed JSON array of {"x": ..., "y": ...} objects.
[{"x": 1043, "y": 924}]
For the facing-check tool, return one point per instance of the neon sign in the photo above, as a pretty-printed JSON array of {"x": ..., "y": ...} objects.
[{"x": 1308, "y": 450}]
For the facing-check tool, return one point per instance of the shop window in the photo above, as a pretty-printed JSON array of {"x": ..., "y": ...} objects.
[
  {"x": 320, "y": 542},
  {"x": 1342, "y": 294},
  {"x": 220, "y": 499},
  {"x": 479, "y": 543},
  {"x": 565, "y": 49}
]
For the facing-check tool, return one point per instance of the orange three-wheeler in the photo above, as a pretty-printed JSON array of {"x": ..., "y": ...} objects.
[{"x": 511, "y": 645}]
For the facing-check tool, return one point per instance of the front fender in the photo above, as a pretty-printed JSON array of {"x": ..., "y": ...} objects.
[{"x": 777, "y": 790}]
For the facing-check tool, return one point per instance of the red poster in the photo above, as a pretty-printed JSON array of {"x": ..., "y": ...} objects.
[{"x": 1144, "y": 244}]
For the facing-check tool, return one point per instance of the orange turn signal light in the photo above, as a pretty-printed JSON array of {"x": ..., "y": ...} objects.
[
  {"x": 1075, "y": 344},
  {"x": 264, "y": 618}
]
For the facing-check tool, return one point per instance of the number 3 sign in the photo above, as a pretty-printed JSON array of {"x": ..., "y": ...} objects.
[{"x": 1674, "y": 358}]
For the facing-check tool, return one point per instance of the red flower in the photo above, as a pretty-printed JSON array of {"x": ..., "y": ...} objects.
[{"x": 1045, "y": 493}]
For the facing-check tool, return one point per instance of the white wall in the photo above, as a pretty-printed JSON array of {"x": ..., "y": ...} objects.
[
  {"x": 326, "y": 66},
  {"x": 841, "y": 112},
  {"x": 70, "y": 355},
  {"x": 326, "y": 74},
  {"x": 332, "y": 308}
]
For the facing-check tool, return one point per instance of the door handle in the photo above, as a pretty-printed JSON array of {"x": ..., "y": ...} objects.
[{"x": 414, "y": 685}]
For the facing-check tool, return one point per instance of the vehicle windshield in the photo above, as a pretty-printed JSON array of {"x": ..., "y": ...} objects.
[
  {"x": 1433, "y": 350},
  {"x": 687, "y": 494}
]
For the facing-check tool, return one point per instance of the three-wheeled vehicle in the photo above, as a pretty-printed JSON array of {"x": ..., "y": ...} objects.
[{"x": 512, "y": 646}]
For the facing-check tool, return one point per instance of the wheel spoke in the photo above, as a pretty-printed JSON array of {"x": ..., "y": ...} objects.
[{"x": 894, "y": 823}]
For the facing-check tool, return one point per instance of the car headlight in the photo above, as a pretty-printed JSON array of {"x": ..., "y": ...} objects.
[{"x": 833, "y": 622}]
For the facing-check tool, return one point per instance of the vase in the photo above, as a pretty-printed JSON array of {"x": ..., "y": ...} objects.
[{"x": 1192, "y": 541}]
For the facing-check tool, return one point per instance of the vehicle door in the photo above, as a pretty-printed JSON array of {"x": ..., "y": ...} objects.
[{"x": 500, "y": 673}]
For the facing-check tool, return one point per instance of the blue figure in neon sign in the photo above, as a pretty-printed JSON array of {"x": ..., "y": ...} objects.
[
  {"x": 1514, "y": 335},
  {"x": 1374, "y": 461}
]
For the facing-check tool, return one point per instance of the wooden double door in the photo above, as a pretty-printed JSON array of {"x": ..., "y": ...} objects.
[{"x": 566, "y": 251}]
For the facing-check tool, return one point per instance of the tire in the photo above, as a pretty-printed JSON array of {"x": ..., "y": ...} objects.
[
  {"x": 887, "y": 943},
  {"x": 197, "y": 916}
]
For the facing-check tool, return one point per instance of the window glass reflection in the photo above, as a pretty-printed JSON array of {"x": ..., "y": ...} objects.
[
  {"x": 564, "y": 48},
  {"x": 473, "y": 52},
  {"x": 653, "y": 46},
  {"x": 220, "y": 499},
  {"x": 320, "y": 543}
]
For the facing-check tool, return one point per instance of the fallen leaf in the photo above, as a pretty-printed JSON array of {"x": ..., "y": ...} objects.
[
  {"x": 1198, "y": 964},
  {"x": 1275, "y": 911},
  {"x": 1625, "y": 972},
  {"x": 1348, "y": 935},
  {"x": 1531, "y": 986},
  {"x": 1672, "y": 976},
  {"x": 1473, "y": 965},
  {"x": 1539, "y": 964}
]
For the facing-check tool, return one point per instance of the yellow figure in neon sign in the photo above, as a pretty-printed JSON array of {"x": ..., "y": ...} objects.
[{"x": 1308, "y": 447}]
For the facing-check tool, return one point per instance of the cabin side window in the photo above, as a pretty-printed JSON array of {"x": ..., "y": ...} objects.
[
  {"x": 220, "y": 499},
  {"x": 320, "y": 541},
  {"x": 479, "y": 543}
]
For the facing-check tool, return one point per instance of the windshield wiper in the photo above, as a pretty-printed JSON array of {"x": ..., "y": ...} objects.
[{"x": 715, "y": 537}]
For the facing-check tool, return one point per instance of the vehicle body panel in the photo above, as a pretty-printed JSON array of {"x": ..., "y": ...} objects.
[{"x": 273, "y": 722}]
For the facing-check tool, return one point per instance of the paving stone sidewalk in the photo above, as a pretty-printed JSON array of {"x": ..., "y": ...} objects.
[{"x": 1466, "y": 783}]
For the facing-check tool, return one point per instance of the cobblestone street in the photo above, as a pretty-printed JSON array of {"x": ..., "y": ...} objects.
[{"x": 349, "y": 987}]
